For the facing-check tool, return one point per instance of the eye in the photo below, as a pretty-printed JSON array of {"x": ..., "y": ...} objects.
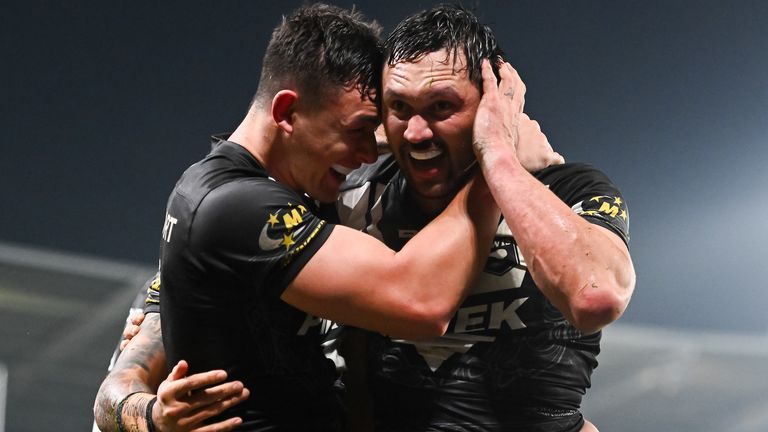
[
  {"x": 397, "y": 105},
  {"x": 442, "y": 108}
]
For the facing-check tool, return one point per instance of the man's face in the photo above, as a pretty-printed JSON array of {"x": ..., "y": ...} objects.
[
  {"x": 428, "y": 109},
  {"x": 332, "y": 140}
]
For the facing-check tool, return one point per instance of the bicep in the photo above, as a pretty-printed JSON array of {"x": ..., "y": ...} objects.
[{"x": 346, "y": 280}]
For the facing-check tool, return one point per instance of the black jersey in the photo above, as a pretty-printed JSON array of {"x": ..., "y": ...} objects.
[
  {"x": 509, "y": 360},
  {"x": 233, "y": 239}
]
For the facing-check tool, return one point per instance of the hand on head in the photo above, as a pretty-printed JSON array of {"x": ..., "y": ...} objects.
[{"x": 501, "y": 124}]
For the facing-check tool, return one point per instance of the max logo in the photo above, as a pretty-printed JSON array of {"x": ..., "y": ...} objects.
[
  {"x": 283, "y": 221},
  {"x": 608, "y": 205}
]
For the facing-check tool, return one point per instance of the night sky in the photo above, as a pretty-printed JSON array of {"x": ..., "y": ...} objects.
[{"x": 104, "y": 104}]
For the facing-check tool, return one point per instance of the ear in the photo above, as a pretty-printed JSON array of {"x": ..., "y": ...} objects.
[{"x": 283, "y": 107}]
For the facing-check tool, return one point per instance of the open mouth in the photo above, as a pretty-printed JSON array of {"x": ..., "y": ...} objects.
[{"x": 425, "y": 151}]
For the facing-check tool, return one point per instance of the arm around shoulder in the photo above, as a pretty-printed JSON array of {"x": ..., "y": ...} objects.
[{"x": 357, "y": 280}]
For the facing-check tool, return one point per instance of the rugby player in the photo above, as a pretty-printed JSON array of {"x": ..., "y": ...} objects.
[{"x": 247, "y": 264}]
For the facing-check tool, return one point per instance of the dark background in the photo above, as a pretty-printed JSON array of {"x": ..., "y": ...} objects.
[{"x": 105, "y": 103}]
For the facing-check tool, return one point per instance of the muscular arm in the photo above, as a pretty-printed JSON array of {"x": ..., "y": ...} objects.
[
  {"x": 139, "y": 368},
  {"x": 585, "y": 270},
  {"x": 355, "y": 279}
]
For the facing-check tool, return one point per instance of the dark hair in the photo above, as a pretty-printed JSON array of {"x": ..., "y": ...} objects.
[
  {"x": 319, "y": 49},
  {"x": 446, "y": 26}
]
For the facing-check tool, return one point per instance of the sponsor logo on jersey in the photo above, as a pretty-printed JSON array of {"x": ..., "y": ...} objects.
[
  {"x": 606, "y": 205},
  {"x": 153, "y": 291},
  {"x": 489, "y": 316},
  {"x": 504, "y": 256},
  {"x": 282, "y": 223}
]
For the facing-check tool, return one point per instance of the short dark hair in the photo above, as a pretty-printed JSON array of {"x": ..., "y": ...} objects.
[
  {"x": 446, "y": 26},
  {"x": 319, "y": 49}
]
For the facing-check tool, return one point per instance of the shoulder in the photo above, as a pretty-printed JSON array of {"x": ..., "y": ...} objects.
[
  {"x": 248, "y": 194},
  {"x": 240, "y": 209},
  {"x": 590, "y": 193},
  {"x": 571, "y": 172},
  {"x": 573, "y": 180}
]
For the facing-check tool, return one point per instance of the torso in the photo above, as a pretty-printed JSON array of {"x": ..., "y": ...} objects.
[
  {"x": 233, "y": 240},
  {"x": 509, "y": 360}
]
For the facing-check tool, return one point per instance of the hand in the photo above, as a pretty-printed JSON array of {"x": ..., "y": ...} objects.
[
  {"x": 533, "y": 149},
  {"x": 132, "y": 323},
  {"x": 184, "y": 403},
  {"x": 500, "y": 110}
]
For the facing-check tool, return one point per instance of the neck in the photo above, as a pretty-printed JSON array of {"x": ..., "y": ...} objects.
[
  {"x": 259, "y": 134},
  {"x": 429, "y": 206},
  {"x": 255, "y": 135}
]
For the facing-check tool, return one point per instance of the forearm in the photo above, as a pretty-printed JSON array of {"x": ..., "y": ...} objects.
[
  {"x": 139, "y": 368},
  {"x": 436, "y": 274},
  {"x": 582, "y": 268},
  {"x": 357, "y": 280}
]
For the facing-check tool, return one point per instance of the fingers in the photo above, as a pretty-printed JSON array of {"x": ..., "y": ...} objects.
[
  {"x": 131, "y": 327},
  {"x": 130, "y": 331},
  {"x": 512, "y": 85},
  {"x": 179, "y": 371},
  {"x": 489, "y": 79},
  {"x": 206, "y": 410},
  {"x": 180, "y": 386},
  {"x": 217, "y": 393},
  {"x": 136, "y": 318}
]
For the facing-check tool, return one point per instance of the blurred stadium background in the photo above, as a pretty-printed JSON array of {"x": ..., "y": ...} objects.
[{"x": 106, "y": 103}]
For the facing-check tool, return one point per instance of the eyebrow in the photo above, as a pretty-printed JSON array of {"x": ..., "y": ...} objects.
[{"x": 430, "y": 93}]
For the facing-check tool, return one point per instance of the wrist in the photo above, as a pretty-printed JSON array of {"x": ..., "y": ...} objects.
[
  {"x": 130, "y": 413},
  {"x": 150, "y": 413}
]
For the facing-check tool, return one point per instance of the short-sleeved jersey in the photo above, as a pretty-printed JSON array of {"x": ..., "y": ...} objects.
[
  {"x": 232, "y": 240},
  {"x": 509, "y": 360}
]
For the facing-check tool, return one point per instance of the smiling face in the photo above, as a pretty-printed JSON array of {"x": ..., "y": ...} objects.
[
  {"x": 428, "y": 109},
  {"x": 330, "y": 141}
]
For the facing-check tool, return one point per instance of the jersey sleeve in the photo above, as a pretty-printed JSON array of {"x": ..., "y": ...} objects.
[
  {"x": 260, "y": 231},
  {"x": 151, "y": 290},
  {"x": 591, "y": 194}
]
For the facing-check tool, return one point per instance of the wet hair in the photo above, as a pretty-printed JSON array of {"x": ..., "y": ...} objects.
[
  {"x": 446, "y": 26},
  {"x": 318, "y": 50}
]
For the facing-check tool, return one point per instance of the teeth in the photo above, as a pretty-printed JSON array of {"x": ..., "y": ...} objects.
[
  {"x": 342, "y": 169},
  {"x": 428, "y": 154}
]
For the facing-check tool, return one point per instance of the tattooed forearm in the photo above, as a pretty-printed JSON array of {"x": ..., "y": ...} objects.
[
  {"x": 139, "y": 368},
  {"x": 145, "y": 355},
  {"x": 134, "y": 412}
]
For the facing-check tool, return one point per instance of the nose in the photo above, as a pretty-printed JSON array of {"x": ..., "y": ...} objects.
[{"x": 417, "y": 130}]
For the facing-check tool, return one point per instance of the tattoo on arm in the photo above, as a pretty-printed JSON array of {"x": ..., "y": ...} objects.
[{"x": 139, "y": 368}]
